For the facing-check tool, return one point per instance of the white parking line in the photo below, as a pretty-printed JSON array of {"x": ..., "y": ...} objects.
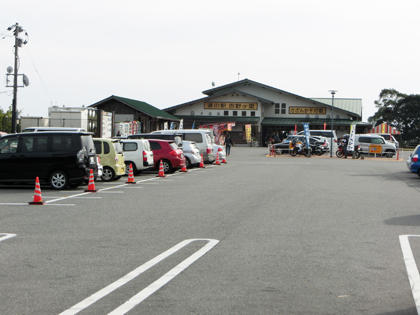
[
  {"x": 412, "y": 271},
  {"x": 153, "y": 287},
  {"x": 149, "y": 290},
  {"x": 144, "y": 181},
  {"x": 27, "y": 204},
  {"x": 111, "y": 192},
  {"x": 6, "y": 236}
]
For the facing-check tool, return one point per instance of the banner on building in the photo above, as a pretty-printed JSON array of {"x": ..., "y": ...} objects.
[
  {"x": 218, "y": 130},
  {"x": 307, "y": 110},
  {"x": 181, "y": 124},
  {"x": 248, "y": 131},
  {"x": 124, "y": 129},
  {"x": 235, "y": 105},
  {"x": 307, "y": 133},
  {"x": 352, "y": 137}
]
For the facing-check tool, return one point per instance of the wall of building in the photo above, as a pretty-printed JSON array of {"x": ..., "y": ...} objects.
[
  {"x": 27, "y": 122},
  {"x": 197, "y": 109}
]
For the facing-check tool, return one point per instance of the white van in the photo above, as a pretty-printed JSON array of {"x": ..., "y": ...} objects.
[
  {"x": 202, "y": 137},
  {"x": 137, "y": 152}
]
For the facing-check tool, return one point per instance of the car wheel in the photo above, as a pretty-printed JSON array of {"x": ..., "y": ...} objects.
[
  {"x": 108, "y": 174},
  {"x": 389, "y": 154},
  {"x": 188, "y": 163},
  {"x": 167, "y": 168},
  {"x": 127, "y": 168},
  {"x": 58, "y": 180}
]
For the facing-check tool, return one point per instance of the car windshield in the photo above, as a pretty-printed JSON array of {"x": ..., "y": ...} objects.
[{"x": 173, "y": 146}]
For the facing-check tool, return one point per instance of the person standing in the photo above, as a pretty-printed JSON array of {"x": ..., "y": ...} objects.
[{"x": 228, "y": 144}]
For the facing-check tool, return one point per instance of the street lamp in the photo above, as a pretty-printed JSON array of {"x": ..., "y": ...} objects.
[{"x": 332, "y": 120}]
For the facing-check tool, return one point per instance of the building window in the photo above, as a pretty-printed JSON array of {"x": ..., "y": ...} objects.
[
  {"x": 253, "y": 114},
  {"x": 218, "y": 113},
  {"x": 235, "y": 113},
  {"x": 209, "y": 113},
  {"x": 226, "y": 113},
  {"x": 244, "y": 113},
  {"x": 192, "y": 113},
  {"x": 201, "y": 113},
  {"x": 283, "y": 108},
  {"x": 276, "y": 108}
]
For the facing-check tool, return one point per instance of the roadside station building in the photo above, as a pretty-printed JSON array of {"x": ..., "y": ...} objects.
[{"x": 268, "y": 110}]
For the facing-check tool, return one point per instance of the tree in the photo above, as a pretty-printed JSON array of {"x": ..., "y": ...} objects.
[
  {"x": 401, "y": 111},
  {"x": 6, "y": 120},
  {"x": 388, "y": 98},
  {"x": 407, "y": 117}
]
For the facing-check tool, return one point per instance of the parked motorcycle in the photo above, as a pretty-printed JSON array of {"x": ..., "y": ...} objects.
[
  {"x": 319, "y": 148},
  {"x": 297, "y": 147},
  {"x": 343, "y": 153}
]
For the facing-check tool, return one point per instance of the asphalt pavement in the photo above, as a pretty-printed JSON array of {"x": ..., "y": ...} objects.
[{"x": 258, "y": 235}]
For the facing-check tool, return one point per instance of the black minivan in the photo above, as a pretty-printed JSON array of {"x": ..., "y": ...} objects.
[{"x": 59, "y": 158}]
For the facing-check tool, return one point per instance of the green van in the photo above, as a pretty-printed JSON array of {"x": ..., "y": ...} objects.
[{"x": 111, "y": 157}]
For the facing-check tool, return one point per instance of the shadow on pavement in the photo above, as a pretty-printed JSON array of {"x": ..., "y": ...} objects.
[
  {"x": 410, "y": 220},
  {"x": 410, "y": 179},
  {"x": 408, "y": 311}
]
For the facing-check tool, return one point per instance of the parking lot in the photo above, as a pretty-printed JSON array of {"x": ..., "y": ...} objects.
[{"x": 257, "y": 235}]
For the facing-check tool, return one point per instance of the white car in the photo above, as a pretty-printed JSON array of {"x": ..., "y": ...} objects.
[
  {"x": 191, "y": 153},
  {"x": 138, "y": 153}
]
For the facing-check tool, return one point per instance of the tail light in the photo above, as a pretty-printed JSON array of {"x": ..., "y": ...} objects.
[
  {"x": 209, "y": 150},
  {"x": 174, "y": 153},
  {"x": 415, "y": 158},
  {"x": 144, "y": 157},
  {"x": 220, "y": 149}
]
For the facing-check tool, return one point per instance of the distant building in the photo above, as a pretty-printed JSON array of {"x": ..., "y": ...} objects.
[
  {"x": 32, "y": 121},
  {"x": 267, "y": 110},
  {"x": 134, "y": 116}
]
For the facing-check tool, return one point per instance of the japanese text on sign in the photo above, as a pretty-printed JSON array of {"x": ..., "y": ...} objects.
[
  {"x": 239, "y": 106},
  {"x": 307, "y": 110}
]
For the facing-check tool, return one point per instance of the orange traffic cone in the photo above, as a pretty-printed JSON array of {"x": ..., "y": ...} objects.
[
  {"x": 37, "y": 194},
  {"x": 91, "y": 185},
  {"x": 224, "y": 161},
  {"x": 161, "y": 171},
  {"x": 130, "y": 179},
  {"x": 217, "y": 159},
  {"x": 202, "y": 162},
  {"x": 184, "y": 168}
]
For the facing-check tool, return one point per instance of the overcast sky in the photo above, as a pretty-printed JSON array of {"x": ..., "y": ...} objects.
[{"x": 167, "y": 52}]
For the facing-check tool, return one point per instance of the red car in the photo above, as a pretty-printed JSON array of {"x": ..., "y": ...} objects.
[{"x": 168, "y": 152}]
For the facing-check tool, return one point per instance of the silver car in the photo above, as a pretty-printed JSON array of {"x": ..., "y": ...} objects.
[
  {"x": 191, "y": 153},
  {"x": 369, "y": 142}
]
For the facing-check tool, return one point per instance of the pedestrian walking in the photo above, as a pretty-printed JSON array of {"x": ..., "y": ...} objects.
[{"x": 228, "y": 144}]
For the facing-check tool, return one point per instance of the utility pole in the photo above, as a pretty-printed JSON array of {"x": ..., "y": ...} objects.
[{"x": 18, "y": 43}]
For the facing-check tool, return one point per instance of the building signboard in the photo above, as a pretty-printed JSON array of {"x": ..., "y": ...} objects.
[
  {"x": 230, "y": 105},
  {"x": 307, "y": 110}
]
